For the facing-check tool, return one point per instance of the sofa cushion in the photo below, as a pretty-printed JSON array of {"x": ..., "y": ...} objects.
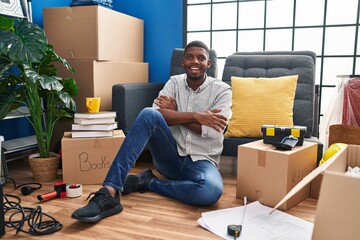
[
  {"x": 231, "y": 144},
  {"x": 258, "y": 101},
  {"x": 276, "y": 64}
]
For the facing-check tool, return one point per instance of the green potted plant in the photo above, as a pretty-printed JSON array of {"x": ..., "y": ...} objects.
[{"x": 28, "y": 77}]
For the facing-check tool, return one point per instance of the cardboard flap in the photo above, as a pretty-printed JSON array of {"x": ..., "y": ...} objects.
[{"x": 307, "y": 179}]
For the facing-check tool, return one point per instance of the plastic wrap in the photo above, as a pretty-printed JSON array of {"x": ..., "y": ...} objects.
[
  {"x": 333, "y": 114},
  {"x": 106, "y": 3}
]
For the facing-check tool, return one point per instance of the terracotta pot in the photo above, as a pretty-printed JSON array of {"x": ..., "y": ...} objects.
[{"x": 44, "y": 169}]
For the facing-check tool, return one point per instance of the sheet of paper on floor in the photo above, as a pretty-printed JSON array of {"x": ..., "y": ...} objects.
[{"x": 258, "y": 223}]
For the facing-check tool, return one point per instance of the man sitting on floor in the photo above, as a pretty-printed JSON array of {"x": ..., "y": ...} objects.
[{"x": 184, "y": 133}]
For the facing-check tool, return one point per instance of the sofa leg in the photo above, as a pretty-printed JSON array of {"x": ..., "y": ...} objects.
[{"x": 228, "y": 165}]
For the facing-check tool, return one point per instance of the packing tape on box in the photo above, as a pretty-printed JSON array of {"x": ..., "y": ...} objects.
[{"x": 74, "y": 190}]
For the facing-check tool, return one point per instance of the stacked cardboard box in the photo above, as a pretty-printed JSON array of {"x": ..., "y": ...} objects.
[
  {"x": 87, "y": 160},
  {"x": 105, "y": 47}
]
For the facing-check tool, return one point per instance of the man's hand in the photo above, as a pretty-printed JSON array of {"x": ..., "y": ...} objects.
[
  {"x": 166, "y": 102},
  {"x": 212, "y": 119}
]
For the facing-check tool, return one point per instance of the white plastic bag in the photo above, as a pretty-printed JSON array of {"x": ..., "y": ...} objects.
[{"x": 333, "y": 114}]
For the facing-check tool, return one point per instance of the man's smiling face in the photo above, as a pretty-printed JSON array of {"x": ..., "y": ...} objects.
[{"x": 195, "y": 62}]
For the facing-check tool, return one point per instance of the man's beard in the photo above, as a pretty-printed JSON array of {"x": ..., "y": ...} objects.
[{"x": 195, "y": 78}]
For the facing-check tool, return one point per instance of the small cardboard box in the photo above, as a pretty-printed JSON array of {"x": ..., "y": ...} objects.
[
  {"x": 266, "y": 175},
  {"x": 95, "y": 33},
  {"x": 87, "y": 160},
  {"x": 338, "y": 210},
  {"x": 274, "y": 133},
  {"x": 96, "y": 79}
]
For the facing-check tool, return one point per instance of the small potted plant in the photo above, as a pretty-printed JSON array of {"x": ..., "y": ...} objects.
[{"x": 28, "y": 77}]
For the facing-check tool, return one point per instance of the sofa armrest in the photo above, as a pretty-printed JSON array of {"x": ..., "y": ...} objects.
[
  {"x": 315, "y": 132},
  {"x": 129, "y": 99}
]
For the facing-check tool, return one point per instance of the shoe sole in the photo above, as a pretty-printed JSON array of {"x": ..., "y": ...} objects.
[{"x": 102, "y": 215}]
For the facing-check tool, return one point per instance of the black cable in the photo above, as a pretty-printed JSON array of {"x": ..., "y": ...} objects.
[
  {"x": 17, "y": 217},
  {"x": 26, "y": 187}
]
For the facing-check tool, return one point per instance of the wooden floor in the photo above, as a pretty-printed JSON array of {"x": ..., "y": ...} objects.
[{"x": 145, "y": 216}]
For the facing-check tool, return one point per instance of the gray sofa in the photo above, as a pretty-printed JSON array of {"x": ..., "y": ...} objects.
[
  {"x": 276, "y": 64},
  {"x": 129, "y": 99}
]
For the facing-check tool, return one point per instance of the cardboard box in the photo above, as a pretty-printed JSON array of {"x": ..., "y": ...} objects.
[
  {"x": 338, "y": 210},
  {"x": 266, "y": 175},
  {"x": 94, "y": 33},
  {"x": 315, "y": 186},
  {"x": 87, "y": 160},
  {"x": 314, "y": 177},
  {"x": 274, "y": 133},
  {"x": 96, "y": 79}
]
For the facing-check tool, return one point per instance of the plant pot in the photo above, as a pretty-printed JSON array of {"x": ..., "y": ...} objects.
[{"x": 44, "y": 169}]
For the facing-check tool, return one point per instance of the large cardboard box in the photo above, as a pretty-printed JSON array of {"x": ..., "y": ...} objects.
[
  {"x": 266, "y": 175},
  {"x": 94, "y": 32},
  {"x": 96, "y": 79},
  {"x": 338, "y": 209},
  {"x": 87, "y": 160}
]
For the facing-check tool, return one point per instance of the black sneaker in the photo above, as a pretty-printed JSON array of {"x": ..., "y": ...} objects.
[
  {"x": 138, "y": 183},
  {"x": 101, "y": 205}
]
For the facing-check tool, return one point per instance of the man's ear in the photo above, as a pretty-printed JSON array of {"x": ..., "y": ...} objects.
[
  {"x": 209, "y": 63},
  {"x": 182, "y": 62}
]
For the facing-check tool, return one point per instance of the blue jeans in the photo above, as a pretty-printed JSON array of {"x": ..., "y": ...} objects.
[{"x": 196, "y": 183}]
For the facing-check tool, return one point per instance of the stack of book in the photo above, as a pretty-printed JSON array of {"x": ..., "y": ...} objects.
[{"x": 101, "y": 124}]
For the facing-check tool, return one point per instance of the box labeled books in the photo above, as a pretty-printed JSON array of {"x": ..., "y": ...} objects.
[{"x": 87, "y": 160}]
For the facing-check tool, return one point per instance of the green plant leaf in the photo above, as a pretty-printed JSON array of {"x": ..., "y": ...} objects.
[
  {"x": 7, "y": 103},
  {"x": 51, "y": 83},
  {"x": 56, "y": 57},
  {"x": 5, "y": 65},
  {"x": 11, "y": 94},
  {"x": 70, "y": 86},
  {"x": 48, "y": 69},
  {"x": 68, "y": 101},
  {"x": 6, "y": 23},
  {"x": 26, "y": 44},
  {"x": 31, "y": 74}
]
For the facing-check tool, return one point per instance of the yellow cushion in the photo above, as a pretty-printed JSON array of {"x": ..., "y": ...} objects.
[{"x": 258, "y": 101}]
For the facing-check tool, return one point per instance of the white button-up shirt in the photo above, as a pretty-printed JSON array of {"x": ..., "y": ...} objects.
[{"x": 212, "y": 94}]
